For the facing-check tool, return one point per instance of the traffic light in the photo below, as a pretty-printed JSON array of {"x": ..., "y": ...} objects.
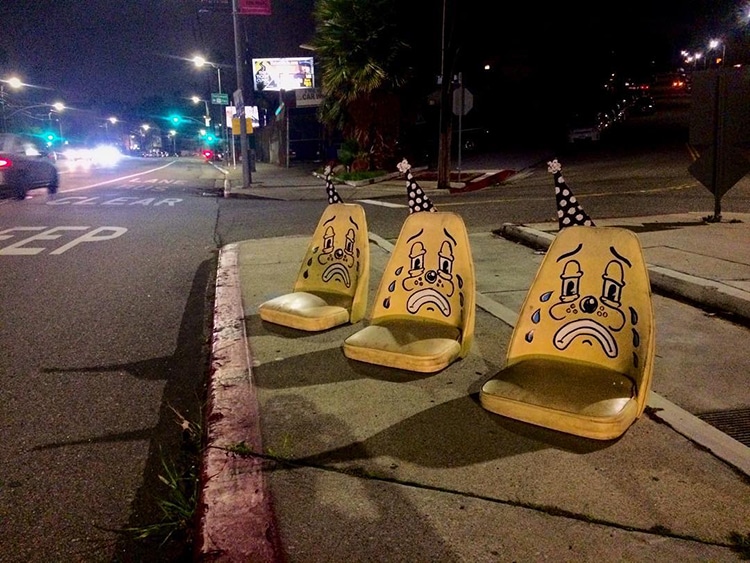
[
  {"x": 49, "y": 137},
  {"x": 175, "y": 119}
]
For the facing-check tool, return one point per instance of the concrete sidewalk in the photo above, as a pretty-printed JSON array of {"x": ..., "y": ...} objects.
[{"x": 313, "y": 457}]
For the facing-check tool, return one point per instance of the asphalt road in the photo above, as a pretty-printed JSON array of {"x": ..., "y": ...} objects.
[{"x": 106, "y": 290}]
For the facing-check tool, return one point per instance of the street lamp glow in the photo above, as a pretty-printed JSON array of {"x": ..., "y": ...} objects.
[
  {"x": 112, "y": 120},
  {"x": 59, "y": 106},
  {"x": 200, "y": 61},
  {"x": 14, "y": 82},
  {"x": 714, "y": 44}
]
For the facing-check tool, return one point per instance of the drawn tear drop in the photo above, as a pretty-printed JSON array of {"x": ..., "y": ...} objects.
[
  {"x": 310, "y": 261},
  {"x": 529, "y": 336},
  {"x": 633, "y": 316},
  {"x": 387, "y": 302},
  {"x": 306, "y": 274},
  {"x": 635, "y": 359},
  {"x": 636, "y": 338},
  {"x": 536, "y": 316},
  {"x": 392, "y": 286},
  {"x": 460, "y": 282},
  {"x": 545, "y": 296},
  {"x": 399, "y": 270}
]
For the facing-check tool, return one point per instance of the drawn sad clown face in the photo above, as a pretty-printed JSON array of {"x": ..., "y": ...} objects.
[
  {"x": 428, "y": 278},
  {"x": 333, "y": 263},
  {"x": 594, "y": 312}
]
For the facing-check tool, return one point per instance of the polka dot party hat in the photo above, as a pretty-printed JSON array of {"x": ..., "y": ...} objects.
[
  {"x": 569, "y": 211},
  {"x": 418, "y": 200},
  {"x": 333, "y": 195}
]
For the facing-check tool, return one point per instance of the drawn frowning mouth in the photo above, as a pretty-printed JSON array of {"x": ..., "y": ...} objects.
[
  {"x": 337, "y": 271},
  {"x": 426, "y": 297},
  {"x": 588, "y": 330}
]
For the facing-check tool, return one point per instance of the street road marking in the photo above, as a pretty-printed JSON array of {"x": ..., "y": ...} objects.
[
  {"x": 120, "y": 179},
  {"x": 83, "y": 200},
  {"x": 381, "y": 203},
  {"x": 98, "y": 234}
]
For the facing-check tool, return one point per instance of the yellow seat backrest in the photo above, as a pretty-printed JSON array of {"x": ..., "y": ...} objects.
[
  {"x": 430, "y": 276},
  {"x": 590, "y": 302},
  {"x": 337, "y": 260}
]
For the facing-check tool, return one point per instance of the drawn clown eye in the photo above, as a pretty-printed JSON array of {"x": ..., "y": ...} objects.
[
  {"x": 571, "y": 280},
  {"x": 349, "y": 247},
  {"x": 446, "y": 258},
  {"x": 328, "y": 241},
  {"x": 614, "y": 281},
  {"x": 417, "y": 258}
]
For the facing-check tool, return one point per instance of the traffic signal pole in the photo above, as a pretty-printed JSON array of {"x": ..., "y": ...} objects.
[{"x": 239, "y": 63}]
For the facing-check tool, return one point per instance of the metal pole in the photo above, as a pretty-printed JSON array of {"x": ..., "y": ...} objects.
[
  {"x": 221, "y": 116},
  {"x": 247, "y": 178},
  {"x": 2, "y": 101}
]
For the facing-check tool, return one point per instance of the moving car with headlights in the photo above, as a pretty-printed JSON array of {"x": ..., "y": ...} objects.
[{"x": 24, "y": 166}]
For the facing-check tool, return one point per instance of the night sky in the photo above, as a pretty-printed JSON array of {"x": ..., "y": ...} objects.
[{"x": 85, "y": 50}]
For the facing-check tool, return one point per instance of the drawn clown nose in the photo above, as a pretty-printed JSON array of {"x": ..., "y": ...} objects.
[{"x": 589, "y": 304}]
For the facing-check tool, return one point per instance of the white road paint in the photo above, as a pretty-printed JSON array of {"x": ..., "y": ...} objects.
[
  {"x": 20, "y": 248},
  {"x": 381, "y": 203},
  {"x": 115, "y": 180},
  {"x": 125, "y": 200}
]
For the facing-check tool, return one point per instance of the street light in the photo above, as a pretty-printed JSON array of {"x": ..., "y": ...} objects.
[
  {"x": 173, "y": 134},
  {"x": 15, "y": 83},
  {"x": 57, "y": 107},
  {"x": 200, "y": 61},
  {"x": 714, "y": 43},
  {"x": 207, "y": 115},
  {"x": 113, "y": 120}
]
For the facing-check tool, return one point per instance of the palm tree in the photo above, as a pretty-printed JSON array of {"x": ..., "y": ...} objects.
[{"x": 364, "y": 61}]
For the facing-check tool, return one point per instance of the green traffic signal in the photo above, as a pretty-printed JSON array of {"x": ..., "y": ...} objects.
[{"x": 175, "y": 119}]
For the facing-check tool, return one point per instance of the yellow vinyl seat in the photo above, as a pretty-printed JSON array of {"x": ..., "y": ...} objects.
[
  {"x": 423, "y": 316},
  {"x": 332, "y": 283},
  {"x": 581, "y": 355}
]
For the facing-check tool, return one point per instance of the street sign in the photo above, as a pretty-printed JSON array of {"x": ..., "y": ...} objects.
[
  {"x": 720, "y": 128},
  {"x": 219, "y": 99},
  {"x": 239, "y": 103},
  {"x": 463, "y": 101}
]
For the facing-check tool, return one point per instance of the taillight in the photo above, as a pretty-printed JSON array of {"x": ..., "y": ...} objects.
[{"x": 5, "y": 163}]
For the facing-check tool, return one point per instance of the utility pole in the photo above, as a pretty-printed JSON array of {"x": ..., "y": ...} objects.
[{"x": 247, "y": 178}]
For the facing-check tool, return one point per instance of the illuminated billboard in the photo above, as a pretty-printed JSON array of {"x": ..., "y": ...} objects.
[{"x": 288, "y": 73}]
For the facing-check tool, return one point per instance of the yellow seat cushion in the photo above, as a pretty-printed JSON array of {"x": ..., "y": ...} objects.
[
  {"x": 582, "y": 399},
  {"x": 414, "y": 345},
  {"x": 307, "y": 311}
]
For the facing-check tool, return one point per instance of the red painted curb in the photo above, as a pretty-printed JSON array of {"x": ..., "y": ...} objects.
[
  {"x": 235, "y": 514},
  {"x": 484, "y": 181}
]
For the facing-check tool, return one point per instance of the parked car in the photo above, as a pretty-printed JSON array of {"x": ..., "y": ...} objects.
[
  {"x": 24, "y": 166},
  {"x": 587, "y": 126}
]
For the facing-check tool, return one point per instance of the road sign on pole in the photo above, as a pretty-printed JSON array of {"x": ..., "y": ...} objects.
[
  {"x": 719, "y": 129},
  {"x": 218, "y": 99},
  {"x": 463, "y": 101}
]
